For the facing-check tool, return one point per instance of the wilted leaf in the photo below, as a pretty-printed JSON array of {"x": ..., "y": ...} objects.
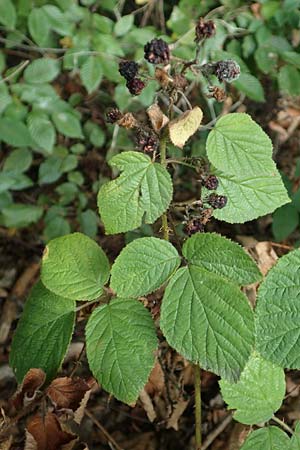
[
  {"x": 182, "y": 128},
  {"x": 67, "y": 392},
  {"x": 157, "y": 117},
  {"x": 33, "y": 380}
]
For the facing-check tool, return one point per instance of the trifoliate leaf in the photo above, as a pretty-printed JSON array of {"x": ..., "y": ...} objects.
[
  {"x": 277, "y": 314},
  {"x": 67, "y": 124},
  {"x": 41, "y": 70},
  {"x": 258, "y": 393},
  {"x": 91, "y": 73},
  {"x": 217, "y": 254},
  {"x": 242, "y": 153},
  {"x": 43, "y": 333},
  {"x": 143, "y": 190},
  {"x": 121, "y": 341},
  {"x": 184, "y": 126},
  {"x": 143, "y": 266},
  {"x": 208, "y": 320},
  {"x": 269, "y": 438},
  {"x": 75, "y": 266}
]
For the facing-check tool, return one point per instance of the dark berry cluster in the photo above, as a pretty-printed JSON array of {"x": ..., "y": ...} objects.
[
  {"x": 157, "y": 52},
  {"x": 227, "y": 70},
  {"x": 193, "y": 226},
  {"x": 113, "y": 115},
  {"x": 146, "y": 140},
  {"x": 204, "y": 29},
  {"x": 217, "y": 201},
  {"x": 128, "y": 69},
  {"x": 211, "y": 182}
]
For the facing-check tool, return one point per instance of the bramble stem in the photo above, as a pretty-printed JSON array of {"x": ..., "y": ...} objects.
[
  {"x": 197, "y": 382},
  {"x": 163, "y": 161},
  {"x": 282, "y": 424}
]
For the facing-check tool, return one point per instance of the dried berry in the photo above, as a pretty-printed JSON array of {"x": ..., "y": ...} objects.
[
  {"x": 211, "y": 182},
  {"x": 146, "y": 140},
  {"x": 128, "y": 69},
  {"x": 135, "y": 86},
  {"x": 204, "y": 29},
  {"x": 217, "y": 201},
  {"x": 128, "y": 121},
  {"x": 157, "y": 52},
  {"x": 217, "y": 93},
  {"x": 113, "y": 115},
  {"x": 227, "y": 70},
  {"x": 193, "y": 226},
  {"x": 180, "y": 82}
]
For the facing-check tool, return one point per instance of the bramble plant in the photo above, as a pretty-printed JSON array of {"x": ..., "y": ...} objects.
[{"x": 205, "y": 315}]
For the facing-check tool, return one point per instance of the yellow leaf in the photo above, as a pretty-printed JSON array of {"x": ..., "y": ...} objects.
[{"x": 182, "y": 128}]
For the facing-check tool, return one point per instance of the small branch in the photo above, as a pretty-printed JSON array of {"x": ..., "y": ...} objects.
[
  {"x": 109, "y": 438},
  {"x": 163, "y": 161},
  {"x": 197, "y": 382},
  {"x": 215, "y": 433},
  {"x": 18, "y": 69},
  {"x": 283, "y": 425}
]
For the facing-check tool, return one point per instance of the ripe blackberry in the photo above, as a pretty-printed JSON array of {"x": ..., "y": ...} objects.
[
  {"x": 146, "y": 140},
  {"x": 204, "y": 29},
  {"x": 217, "y": 201},
  {"x": 211, "y": 182},
  {"x": 193, "y": 226},
  {"x": 135, "y": 86},
  {"x": 113, "y": 115},
  {"x": 128, "y": 69},
  {"x": 157, "y": 52},
  {"x": 227, "y": 70}
]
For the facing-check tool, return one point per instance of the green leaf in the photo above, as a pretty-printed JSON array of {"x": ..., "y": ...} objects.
[
  {"x": 41, "y": 70},
  {"x": 208, "y": 320},
  {"x": 278, "y": 313},
  {"x": 242, "y": 153},
  {"x": 19, "y": 215},
  {"x": 289, "y": 80},
  {"x": 143, "y": 189},
  {"x": 18, "y": 161},
  {"x": 50, "y": 170},
  {"x": 123, "y": 25},
  {"x": 285, "y": 221},
  {"x": 14, "y": 181},
  {"x": 58, "y": 21},
  {"x": 89, "y": 223},
  {"x": 291, "y": 58},
  {"x": 295, "y": 439},
  {"x": 67, "y": 124},
  {"x": 143, "y": 266},
  {"x": 250, "y": 86},
  {"x": 42, "y": 131},
  {"x": 5, "y": 98},
  {"x": 43, "y": 333},
  {"x": 8, "y": 14},
  {"x": 222, "y": 256},
  {"x": 91, "y": 73},
  {"x": 258, "y": 393},
  {"x": 39, "y": 26},
  {"x": 121, "y": 341},
  {"x": 56, "y": 227},
  {"x": 75, "y": 266},
  {"x": 14, "y": 132},
  {"x": 269, "y": 438}
]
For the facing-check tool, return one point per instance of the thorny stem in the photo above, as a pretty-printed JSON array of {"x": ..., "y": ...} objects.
[
  {"x": 198, "y": 435},
  {"x": 163, "y": 161},
  {"x": 282, "y": 424}
]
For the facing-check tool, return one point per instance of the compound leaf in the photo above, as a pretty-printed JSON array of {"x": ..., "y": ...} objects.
[
  {"x": 143, "y": 266},
  {"x": 222, "y": 256},
  {"x": 121, "y": 342},
  {"x": 43, "y": 333},
  {"x": 269, "y": 438},
  {"x": 142, "y": 189},
  {"x": 208, "y": 320},
  {"x": 242, "y": 154},
  {"x": 75, "y": 266},
  {"x": 258, "y": 393},
  {"x": 278, "y": 313}
]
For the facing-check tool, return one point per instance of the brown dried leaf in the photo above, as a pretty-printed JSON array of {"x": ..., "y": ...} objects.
[
  {"x": 177, "y": 413},
  {"x": 266, "y": 256},
  {"x": 67, "y": 392},
  {"x": 45, "y": 433},
  {"x": 6, "y": 444},
  {"x": 157, "y": 117},
  {"x": 148, "y": 405},
  {"x": 26, "y": 393},
  {"x": 156, "y": 381},
  {"x": 79, "y": 413},
  {"x": 182, "y": 128}
]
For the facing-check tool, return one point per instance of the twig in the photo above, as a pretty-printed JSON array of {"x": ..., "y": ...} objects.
[
  {"x": 197, "y": 383},
  {"x": 18, "y": 69},
  {"x": 215, "y": 433},
  {"x": 282, "y": 424},
  {"x": 109, "y": 438},
  {"x": 163, "y": 161}
]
